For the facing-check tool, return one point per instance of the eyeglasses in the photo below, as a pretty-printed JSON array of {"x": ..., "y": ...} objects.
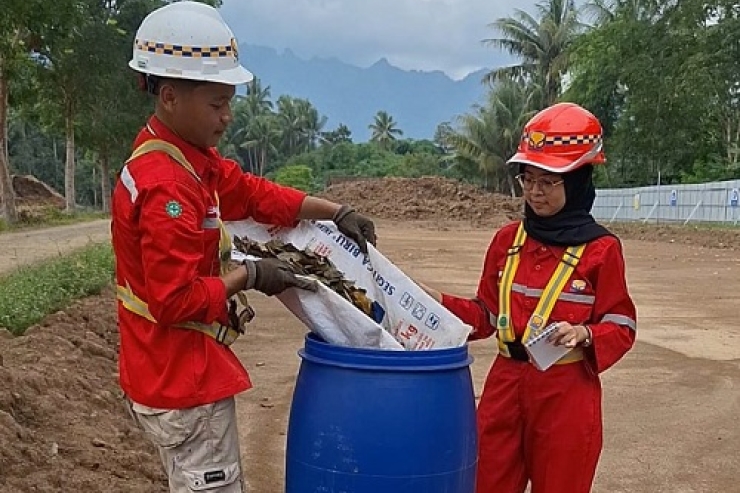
[{"x": 546, "y": 185}]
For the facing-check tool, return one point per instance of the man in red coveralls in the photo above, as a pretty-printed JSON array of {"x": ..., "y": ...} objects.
[{"x": 176, "y": 367}]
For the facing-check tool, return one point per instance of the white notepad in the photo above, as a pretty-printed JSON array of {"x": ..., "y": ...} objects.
[{"x": 544, "y": 354}]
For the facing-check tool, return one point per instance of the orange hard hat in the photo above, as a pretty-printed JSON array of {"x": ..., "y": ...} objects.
[{"x": 561, "y": 138}]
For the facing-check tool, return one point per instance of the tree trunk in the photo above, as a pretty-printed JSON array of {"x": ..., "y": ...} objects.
[
  {"x": 253, "y": 166},
  {"x": 105, "y": 180},
  {"x": 94, "y": 188},
  {"x": 69, "y": 167},
  {"x": 7, "y": 195},
  {"x": 263, "y": 161},
  {"x": 510, "y": 182}
]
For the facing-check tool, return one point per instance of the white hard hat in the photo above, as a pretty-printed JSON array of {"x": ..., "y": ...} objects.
[{"x": 188, "y": 40}]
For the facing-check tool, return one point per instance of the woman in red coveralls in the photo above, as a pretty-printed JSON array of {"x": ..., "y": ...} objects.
[{"x": 545, "y": 427}]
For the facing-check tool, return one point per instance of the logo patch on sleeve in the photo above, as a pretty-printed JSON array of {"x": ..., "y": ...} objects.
[{"x": 173, "y": 208}]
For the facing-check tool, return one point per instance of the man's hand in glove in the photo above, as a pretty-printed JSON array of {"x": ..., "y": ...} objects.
[
  {"x": 355, "y": 226},
  {"x": 273, "y": 276}
]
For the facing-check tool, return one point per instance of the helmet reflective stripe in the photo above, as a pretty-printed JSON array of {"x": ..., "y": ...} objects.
[
  {"x": 561, "y": 138},
  {"x": 188, "y": 40},
  {"x": 184, "y": 51}
]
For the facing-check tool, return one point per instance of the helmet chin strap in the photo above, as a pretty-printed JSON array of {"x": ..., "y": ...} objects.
[{"x": 149, "y": 83}]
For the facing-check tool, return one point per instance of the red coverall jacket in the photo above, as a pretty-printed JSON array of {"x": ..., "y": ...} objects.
[
  {"x": 165, "y": 238},
  {"x": 602, "y": 301},
  {"x": 545, "y": 427}
]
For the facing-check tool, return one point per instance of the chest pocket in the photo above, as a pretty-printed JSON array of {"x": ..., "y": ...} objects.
[{"x": 576, "y": 302}]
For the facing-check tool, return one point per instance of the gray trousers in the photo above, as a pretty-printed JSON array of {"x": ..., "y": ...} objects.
[{"x": 199, "y": 446}]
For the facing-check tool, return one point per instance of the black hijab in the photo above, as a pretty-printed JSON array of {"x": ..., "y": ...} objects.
[{"x": 573, "y": 224}]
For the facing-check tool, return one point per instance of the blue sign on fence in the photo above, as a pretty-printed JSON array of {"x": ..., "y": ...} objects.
[
  {"x": 674, "y": 198},
  {"x": 734, "y": 196}
]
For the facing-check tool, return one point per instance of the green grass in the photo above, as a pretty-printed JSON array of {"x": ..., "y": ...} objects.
[
  {"x": 48, "y": 217},
  {"x": 31, "y": 293}
]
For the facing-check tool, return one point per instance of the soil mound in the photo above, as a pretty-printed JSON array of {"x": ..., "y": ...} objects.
[
  {"x": 32, "y": 192},
  {"x": 426, "y": 198},
  {"x": 63, "y": 425}
]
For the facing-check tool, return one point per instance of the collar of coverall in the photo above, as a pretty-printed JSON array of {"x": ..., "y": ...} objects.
[
  {"x": 532, "y": 245},
  {"x": 202, "y": 161}
]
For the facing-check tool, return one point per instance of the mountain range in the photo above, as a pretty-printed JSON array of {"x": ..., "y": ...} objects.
[{"x": 418, "y": 101}]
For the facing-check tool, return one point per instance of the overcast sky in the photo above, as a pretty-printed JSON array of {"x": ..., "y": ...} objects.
[{"x": 412, "y": 34}]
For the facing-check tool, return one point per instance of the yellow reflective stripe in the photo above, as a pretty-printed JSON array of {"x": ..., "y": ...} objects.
[
  {"x": 172, "y": 150},
  {"x": 224, "y": 243},
  {"x": 505, "y": 329},
  {"x": 567, "y": 265},
  {"x": 576, "y": 354},
  {"x": 157, "y": 145},
  {"x": 131, "y": 302},
  {"x": 223, "y": 334}
]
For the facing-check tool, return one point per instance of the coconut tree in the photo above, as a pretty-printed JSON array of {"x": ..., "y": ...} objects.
[
  {"x": 541, "y": 43},
  {"x": 490, "y": 135},
  {"x": 385, "y": 129}
]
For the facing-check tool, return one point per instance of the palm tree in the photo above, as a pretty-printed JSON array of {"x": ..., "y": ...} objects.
[
  {"x": 258, "y": 98},
  {"x": 290, "y": 123},
  {"x": 384, "y": 129},
  {"x": 541, "y": 44},
  {"x": 312, "y": 124},
  {"x": 263, "y": 133},
  {"x": 491, "y": 135},
  {"x": 246, "y": 110}
]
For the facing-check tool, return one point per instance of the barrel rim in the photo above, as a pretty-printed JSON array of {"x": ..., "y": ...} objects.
[{"x": 318, "y": 351}]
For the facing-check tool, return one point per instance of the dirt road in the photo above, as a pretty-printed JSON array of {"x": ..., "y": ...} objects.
[
  {"x": 26, "y": 247},
  {"x": 671, "y": 405}
]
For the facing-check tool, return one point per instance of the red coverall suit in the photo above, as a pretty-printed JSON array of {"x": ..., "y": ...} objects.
[
  {"x": 546, "y": 426},
  {"x": 166, "y": 238}
]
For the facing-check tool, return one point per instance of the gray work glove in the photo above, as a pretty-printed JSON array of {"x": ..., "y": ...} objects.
[
  {"x": 355, "y": 226},
  {"x": 273, "y": 276}
]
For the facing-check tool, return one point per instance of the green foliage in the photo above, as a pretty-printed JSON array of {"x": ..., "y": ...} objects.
[
  {"x": 341, "y": 134},
  {"x": 663, "y": 81},
  {"x": 409, "y": 159},
  {"x": 663, "y": 78},
  {"x": 542, "y": 44},
  {"x": 31, "y": 293},
  {"x": 49, "y": 216},
  {"x": 385, "y": 130},
  {"x": 296, "y": 176},
  {"x": 490, "y": 136},
  {"x": 717, "y": 169}
]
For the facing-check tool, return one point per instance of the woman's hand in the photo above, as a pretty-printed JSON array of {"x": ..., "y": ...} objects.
[{"x": 569, "y": 335}]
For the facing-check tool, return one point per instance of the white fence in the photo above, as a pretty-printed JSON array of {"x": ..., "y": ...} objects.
[{"x": 705, "y": 202}]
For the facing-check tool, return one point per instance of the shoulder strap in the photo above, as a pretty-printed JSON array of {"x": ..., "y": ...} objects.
[
  {"x": 538, "y": 321},
  {"x": 158, "y": 145},
  {"x": 503, "y": 322},
  {"x": 222, "y": 334},
  {"x": 546, "y": 304}
]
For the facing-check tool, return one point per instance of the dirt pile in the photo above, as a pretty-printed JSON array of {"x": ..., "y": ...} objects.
[
  {"x": 32, "y": 192},
  {"x": 63, "y": 426},
  {"x": 426, "y": 198}
]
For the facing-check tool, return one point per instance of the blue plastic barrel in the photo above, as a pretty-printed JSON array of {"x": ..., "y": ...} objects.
[{"x": 375, "y": 421}]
